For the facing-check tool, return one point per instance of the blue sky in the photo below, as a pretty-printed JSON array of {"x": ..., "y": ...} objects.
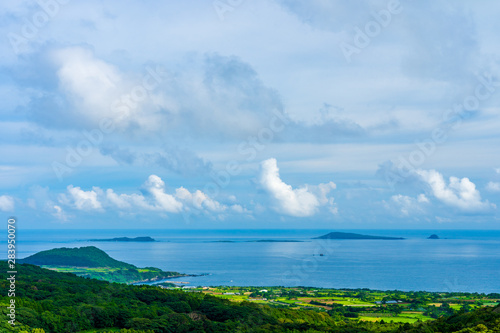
[{"x": 250, "y": 114}]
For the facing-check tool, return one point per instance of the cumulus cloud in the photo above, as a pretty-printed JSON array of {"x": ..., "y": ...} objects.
[
  {"x": 87, "y": 78},
  {"x": 126, "y": 201},
  {"x": 460, "y": 193},
  {"x": 405, "y": 205},
  {"x": 164, "y": 201},
  {"x": 493, "y": 187},
  {"x": 199, "y": 200},
  {"x": 154, "y": 197},
  {"x": 89, "y": 89},
  {"x": 6, "y": 203},
  {"x": 80, "y": 199},
  {"x": 300, "y": 202}
]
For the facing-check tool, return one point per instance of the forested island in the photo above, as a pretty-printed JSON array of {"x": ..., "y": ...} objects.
[
  {"x": 94, "y": 263},
  {"x": 348, "y": 235},
  {"x": 52, "y": 302}
]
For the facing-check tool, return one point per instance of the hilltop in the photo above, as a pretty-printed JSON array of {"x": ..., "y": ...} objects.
[
  {"x": 88, "y": 256},
  {"x": 91, "y": 262}
]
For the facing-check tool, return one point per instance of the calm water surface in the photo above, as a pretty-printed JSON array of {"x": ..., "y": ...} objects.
[{"x": 464, "y": 261}]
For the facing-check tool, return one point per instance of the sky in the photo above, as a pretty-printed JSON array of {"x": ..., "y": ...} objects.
[{"x": 235, "y": 114}]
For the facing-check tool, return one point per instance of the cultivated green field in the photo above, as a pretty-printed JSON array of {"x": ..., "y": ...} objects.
[{"x": 360, "y": 304}]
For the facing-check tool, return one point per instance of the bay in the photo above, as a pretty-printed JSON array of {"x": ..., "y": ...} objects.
[{"x": 463, "y": 260}]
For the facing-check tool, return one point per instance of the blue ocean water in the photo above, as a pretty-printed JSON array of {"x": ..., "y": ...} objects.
[{"x": 463, "y": 260}]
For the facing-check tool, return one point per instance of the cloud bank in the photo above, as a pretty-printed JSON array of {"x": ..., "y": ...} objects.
[{"x": 153, "y": 197}]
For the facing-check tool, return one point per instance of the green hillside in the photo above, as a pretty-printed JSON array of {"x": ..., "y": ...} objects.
[
  {"x": 94, "y": 263},
  {"x": 48, "y": 301},
  {"x": 88, "y": 256}
]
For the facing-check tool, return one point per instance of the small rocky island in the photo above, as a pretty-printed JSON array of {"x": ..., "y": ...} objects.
[
  {"x": 125, "y": 239},
  {"x": 433, "y": 236},
  {"x": 348, "y": 235}
]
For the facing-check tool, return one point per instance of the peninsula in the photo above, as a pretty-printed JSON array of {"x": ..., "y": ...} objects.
[{"x": 92, "y": 262}]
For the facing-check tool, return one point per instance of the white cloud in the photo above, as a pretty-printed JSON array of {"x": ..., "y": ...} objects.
[
  {"x": 127, "y": 201},
  {"x": 405, "y": 205},
  {"x": 301, "y": 202},
  {"x": 240, "y": 209},
  {"x": 6, "y": 203},
  {"x": 80, "y": 199},
  {"x": 422, "y": 198},
  {"x": 89, "y": 83},
  {"x": 164, "y": 201},
  {"x": 59, "y": 213},
  {"x": 213, "y": 96},
  {"x": 154, "y": 198},
  {"x": 493, "y": 187},
  {"x": 460, "y": 193},
  {"x": 199, "y": 200}
]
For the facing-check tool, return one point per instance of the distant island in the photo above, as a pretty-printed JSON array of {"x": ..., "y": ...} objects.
[
  {"x": 125, "y": 239},
  {"x": 348, "y": 235},
  {"x": 260, "y": 241},
  {"x": 433, "y": 236},
  {"x": 94, "y": 263},
  {"x": 274, "y": 241}
]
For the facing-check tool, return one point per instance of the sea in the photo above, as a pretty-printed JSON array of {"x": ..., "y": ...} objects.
[{"x": 460, "y": 261}]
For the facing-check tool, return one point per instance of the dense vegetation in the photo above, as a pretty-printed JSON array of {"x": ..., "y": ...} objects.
[
  {"x": 363, "y": 304},
  {"x": 64, "y": 303},
  {"x": 88, "y": 256},
  {"x": 94, "y": 263}
]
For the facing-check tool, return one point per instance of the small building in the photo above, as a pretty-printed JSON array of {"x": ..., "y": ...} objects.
[{"x": 387, "y": 302}]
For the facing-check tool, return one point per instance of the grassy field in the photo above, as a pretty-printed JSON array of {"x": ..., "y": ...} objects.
[
  {"x": 365, "y": 305},
  {"x": 119, "y": 275}
]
